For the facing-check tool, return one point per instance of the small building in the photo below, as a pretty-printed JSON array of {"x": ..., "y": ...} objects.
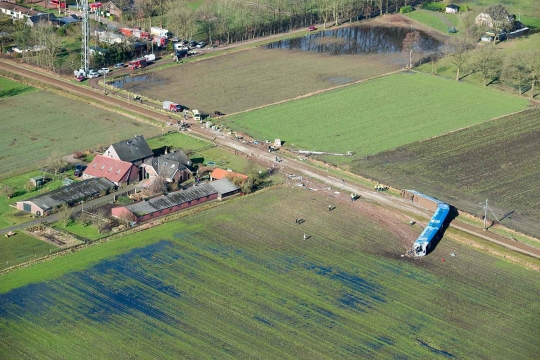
[
  {"x": 166, "y": 204},
  {"x": 219, "y": 174},
  {"x": 47, "y": 18},
  {"x": 452, "y": 9},
  {"x": 45, "y": 204},
  {"x": 224, "y": 188},
  {"x": 119, "y": 172},
  {"x": 113, "y": 9},
  {"x": 135, "y": 150},
  {"x": 37, "y": 180}
]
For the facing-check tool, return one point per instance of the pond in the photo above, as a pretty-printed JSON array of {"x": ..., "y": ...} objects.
[
  {"x": 144, "y": 79},
  {"x": 355, "y": 40}
]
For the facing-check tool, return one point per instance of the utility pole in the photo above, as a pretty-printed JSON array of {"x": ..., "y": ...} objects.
[
  {"x": 104, "y": 83},
  {"x": 85, "y": 38},
  {"x": 485, "y": 215}
]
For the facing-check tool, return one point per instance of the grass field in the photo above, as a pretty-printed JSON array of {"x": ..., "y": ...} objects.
[
  {"x": 11, "y": 88},
  {"x": 38, "y": 124},
  {"x": 21, "y": 248},
  {"x": 257, "y": 77},
  {"x": 497, "y": 160},
  {"x": 245, "y": 285},
  {"x": 377, "y": 115},
  {"x": 435, "y": 19}
]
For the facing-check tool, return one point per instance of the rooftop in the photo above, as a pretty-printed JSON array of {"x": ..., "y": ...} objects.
[
  {"x": 133, "y": 149},
  {"x": 223, "y": 186},
  {"x": 72, "y": 193},
  {"x": 163, "y": 202},
  {"x": 109, "y": 168},
  {"x": 221, "y": 174}
]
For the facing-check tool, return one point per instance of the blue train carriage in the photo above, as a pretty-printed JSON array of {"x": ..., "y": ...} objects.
[{"x": 432, "y": 231}]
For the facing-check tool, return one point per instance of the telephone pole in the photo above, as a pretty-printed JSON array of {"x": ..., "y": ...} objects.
[
  {"x": 85, "y": 38},
  {"x": 485, "y": 215}
]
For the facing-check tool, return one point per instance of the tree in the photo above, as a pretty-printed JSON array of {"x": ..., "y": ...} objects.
[
  {"x": 158, "y": 186},
  {"x": 411, "y": 43},
  {"x": 457, "y": 49},
  {"x": 55, "y": 163},
  {"x": 471, "y": 29},
  {"x": 501, "y": 18},
  {"x": 488, "y": 63},
  {"x": 515, "y": 70},
  {"x": 532, "y": 64},
  {"x": 64, "y": 214},
  {"x": 8, "y": 191}
]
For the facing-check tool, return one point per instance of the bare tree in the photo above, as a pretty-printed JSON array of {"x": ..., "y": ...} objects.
[
  {"x": 515, "y": 70},
  {"x": 411, "y": 43},
  {"x": 158, "y": 186},
  {"x": 55, "y": 162},
  {"x": 64, "y": 214},
  {"x": 457, "y": 49},
  {"x": 532, "y": 64},
  {"x": 488, "y": 63},
  {"x": 8, "y": 191}
]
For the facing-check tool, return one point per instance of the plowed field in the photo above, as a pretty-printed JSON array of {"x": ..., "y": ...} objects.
[
  {"x": 239, "y": 281},
  {"x": 498, "y": 160}
]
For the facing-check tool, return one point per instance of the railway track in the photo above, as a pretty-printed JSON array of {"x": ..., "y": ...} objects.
[{"x": 290, "y": 165}]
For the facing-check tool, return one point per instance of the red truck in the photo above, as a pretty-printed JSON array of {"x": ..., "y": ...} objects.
[
  {"x": 172, "y": 106},
  {"x": 137, "y": 64}
]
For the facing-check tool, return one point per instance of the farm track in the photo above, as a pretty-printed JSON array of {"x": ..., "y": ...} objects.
[{"x": 287, "y": 165}]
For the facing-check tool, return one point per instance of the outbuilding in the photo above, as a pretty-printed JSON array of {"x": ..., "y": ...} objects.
[
  {"x": 166, "y": 204},
  {"x": 452, "y": 9},
  {"x": 45, "y": 204},
  {"x": 224, "y": 188}
]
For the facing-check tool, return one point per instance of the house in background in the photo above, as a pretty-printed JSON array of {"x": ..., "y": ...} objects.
[
  {"x": 17, "y": 12},
  {"x": 119, "y": 172},
  {"x": 113, "y": 9},
  {"x": 43, "y": 205},
  {"x": 47, "y": 18},
  {"x": 135, "y": 150},
  {"x": 452, "y": 9}
]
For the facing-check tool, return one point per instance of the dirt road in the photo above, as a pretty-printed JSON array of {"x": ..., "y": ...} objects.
[{"x": 286, "y": 165}]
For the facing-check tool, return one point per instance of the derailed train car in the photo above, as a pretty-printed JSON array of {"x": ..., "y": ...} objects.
[{"x": 435, "y": 227}]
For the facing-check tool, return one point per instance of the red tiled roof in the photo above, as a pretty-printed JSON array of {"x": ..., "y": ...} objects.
[
  {"x": 109, "y": 168},
  {"x": 221, "y": 174}
]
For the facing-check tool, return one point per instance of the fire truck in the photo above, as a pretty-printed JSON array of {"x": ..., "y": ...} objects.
[{"x": 137, "y": 64}]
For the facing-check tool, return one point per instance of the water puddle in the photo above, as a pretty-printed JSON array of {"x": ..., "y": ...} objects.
[
  {"x": 356, "y": 40},
  {"x": 142, "y": 79}
]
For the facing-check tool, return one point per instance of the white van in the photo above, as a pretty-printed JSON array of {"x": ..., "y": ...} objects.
[{"x": 196, "y": 115}]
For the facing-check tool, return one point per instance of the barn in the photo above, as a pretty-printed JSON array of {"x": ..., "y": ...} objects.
[
  {"x": 45, "y": 204},
  {"x": 166, "y": 204}
]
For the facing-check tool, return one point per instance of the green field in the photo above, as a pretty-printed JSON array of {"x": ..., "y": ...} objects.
[
  {"x": 498, "y": 160},
  {"x": 258, "y": 77},
  {"x": 435, "y": 20},
  {"x": 11, "y": 88},
  {"x": 21, "y": 248},
  {"x": 38, "y": 124},
  {"x": 246, "y": 285},
  {"x": 377, "y": 115}
]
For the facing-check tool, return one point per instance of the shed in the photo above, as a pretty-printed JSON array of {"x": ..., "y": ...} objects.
[
  {"x": 37, "y": 180},
  {"x": 224, "y": 188},
  {"x": 452, "y": 9},
  {"x": 219, "y": 174}
]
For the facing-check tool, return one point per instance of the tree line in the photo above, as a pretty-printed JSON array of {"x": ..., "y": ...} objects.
[{"x": 228, "y": 21}]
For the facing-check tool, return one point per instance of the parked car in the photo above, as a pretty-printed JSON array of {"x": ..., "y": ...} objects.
[
  {"x": 201, "y": 44},
  {"x": 104, "y": 71},
  {"x": 80, "y": 78},
  {"x": 312, "y": 28},
  {"x": 192, "y": 43},
  {"x": 119, "y": 66},
  {"x": 93, "y": 74}
]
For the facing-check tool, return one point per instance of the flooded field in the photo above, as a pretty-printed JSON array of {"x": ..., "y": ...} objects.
[{"x": 357, "y": 40}]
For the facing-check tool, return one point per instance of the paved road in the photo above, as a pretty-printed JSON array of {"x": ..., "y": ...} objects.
[
  {"x": 54, "y": 217},
  {"x": 291, "y": 165}
]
